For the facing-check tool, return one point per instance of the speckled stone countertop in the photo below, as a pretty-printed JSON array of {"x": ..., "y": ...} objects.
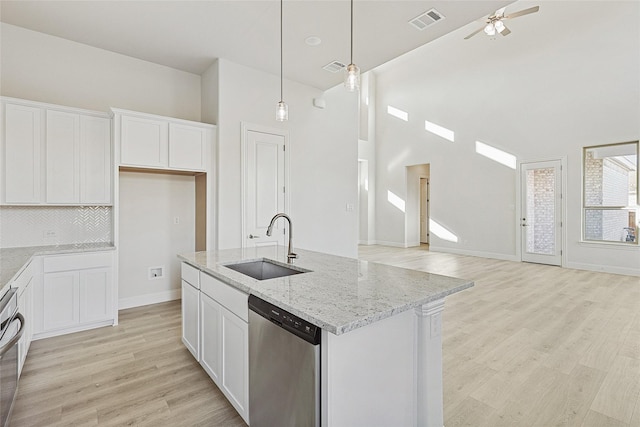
[
  {"x": 14, "y": 260},
  {"x": 339, "y": 294}
]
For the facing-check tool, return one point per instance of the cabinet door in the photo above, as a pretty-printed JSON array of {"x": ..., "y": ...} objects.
[
  {"x": 187, "y": 147},
  {"x": 22, "y": 146},
  {"x": 144, "y": 142},
  {"x": 60, "y": 300},
  {"x": 235, "y": 361},
  {"x": 62, "y": 142},
  {"x": 95, "y": 303},
  {"x": 95, "y": 160},
  {"x": 210, "y": 337},
  {"x": 190, "y": 319},
  {"x": 25, "y": 306}
]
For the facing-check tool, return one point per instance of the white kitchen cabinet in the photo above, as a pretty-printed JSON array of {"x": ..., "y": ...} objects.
[
  {"x": 235, "y": 361},
  {"x": 55, "y": 155},
  {"x": 224, "y": 335},
  {"x": 191, "y": 319},
  {"x": 210, "y": 341},
  {"x": 78, "y": 159},
  {"x": 144, "y": 142},
  {"x": 95, "y": 160},
  {"x": 22, "y": 142},
  {"x": 62, "y": 159},
  {"x": 187, "y": 147},
  {"x": 76, "y": 294},
  {"x": 60, "y": 300},
  {"x": 157, "y": 142},
  {"x": 24, "y": 284}
]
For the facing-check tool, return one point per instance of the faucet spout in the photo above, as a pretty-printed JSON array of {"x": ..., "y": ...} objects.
[{"x": 290, "y": 255}]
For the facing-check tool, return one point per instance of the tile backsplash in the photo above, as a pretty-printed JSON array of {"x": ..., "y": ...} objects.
[{"x": 54, "y": 225}]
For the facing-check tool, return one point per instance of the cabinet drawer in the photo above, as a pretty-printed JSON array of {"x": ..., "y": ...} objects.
[
  {"x": 191, "y": 275},
  {"x": 77, "y": 262},
  {"x": 232, "y": 299}
]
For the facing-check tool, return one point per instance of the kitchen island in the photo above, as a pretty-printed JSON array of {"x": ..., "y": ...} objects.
[{"x": 381, "y": 351}]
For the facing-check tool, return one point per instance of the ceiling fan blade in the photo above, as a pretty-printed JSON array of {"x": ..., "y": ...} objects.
[
  {"x": 499, "y": 12},
  {"x": 474, "y": 33},
  {"x": 505, "y": 32},
  {"x": 523, "y": 12}
]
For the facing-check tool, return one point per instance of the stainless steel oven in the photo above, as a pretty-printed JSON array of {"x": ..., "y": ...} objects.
[{"x": 11, "y": 329}]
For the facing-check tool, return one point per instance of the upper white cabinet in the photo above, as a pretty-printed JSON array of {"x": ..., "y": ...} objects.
[
  {"x": 144, "y": 142},
  {"x": 158, "y": 142},
  {"x": 55, "y": 155},
  {"x": 63, "y": 162},
  {"x": 23, "y": 140}
]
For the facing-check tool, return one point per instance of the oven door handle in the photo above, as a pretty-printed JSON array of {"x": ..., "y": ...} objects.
[{"x": 15, "y": 338}]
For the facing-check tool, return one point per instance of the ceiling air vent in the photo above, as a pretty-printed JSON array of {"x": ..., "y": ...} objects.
[
  {"x": 334, "y": 66},
  {"x": 426, "y": 19}
]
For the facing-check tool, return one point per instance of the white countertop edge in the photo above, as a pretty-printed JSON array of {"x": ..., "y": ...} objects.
[{"x": 335, "y": 329}]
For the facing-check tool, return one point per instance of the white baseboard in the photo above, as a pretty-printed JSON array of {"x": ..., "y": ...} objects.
[
  {"x": 481, "y": 254},
  {"x": 393, "y": 244},
  {"x": 147, "y": 299},
  {"x": 604, "y": 268}
]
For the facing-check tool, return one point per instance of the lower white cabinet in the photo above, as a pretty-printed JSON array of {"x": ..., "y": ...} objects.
[
  {"x": 191, "y": 319},
  {"x": 235, "y": 361},
  {"x": 224, "y": 337},
  {"x": 210, "y": 342},
  {"x": 76, "y": 294},
  {"x": 25, "y": 285}
]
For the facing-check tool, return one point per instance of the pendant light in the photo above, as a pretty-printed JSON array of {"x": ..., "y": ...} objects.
[
  {"x": 282, "y": 110},
  {"x": 352, "y": 75}
]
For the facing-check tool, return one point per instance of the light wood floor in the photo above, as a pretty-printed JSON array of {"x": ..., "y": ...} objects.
[
  {"x": 529, "y": 345},
  {"x": 137, "y": 373},
  {"x": 534, "y": 345}
]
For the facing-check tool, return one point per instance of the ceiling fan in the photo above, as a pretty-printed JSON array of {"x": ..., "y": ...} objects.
[{"x": 495, "y": 25}]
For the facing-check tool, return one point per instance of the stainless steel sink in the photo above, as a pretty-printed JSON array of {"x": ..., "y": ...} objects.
[{"x": 264, "y": 269}]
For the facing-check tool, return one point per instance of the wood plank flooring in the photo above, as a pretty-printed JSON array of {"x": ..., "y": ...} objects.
[
  {"x": 529, "y": 345},
  {"x": 137, "y": 373},
  {"x": 534, "y": 345}
]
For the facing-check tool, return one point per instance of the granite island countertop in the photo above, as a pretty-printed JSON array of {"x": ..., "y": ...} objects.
[
  {"x": 14, "y": 260},
  {"x": 339, "y": 294}
]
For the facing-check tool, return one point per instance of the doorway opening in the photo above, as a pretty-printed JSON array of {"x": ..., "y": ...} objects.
[{"x": 417, "y": 206}]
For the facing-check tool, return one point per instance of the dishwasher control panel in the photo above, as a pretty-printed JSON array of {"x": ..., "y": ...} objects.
[{"x": 292, "y": 323}]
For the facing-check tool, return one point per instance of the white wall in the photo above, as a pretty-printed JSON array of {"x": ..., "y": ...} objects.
[
  {"x": 44, "y": 68},
  {"x": 323, "y": 152},
  {"x": 556, "y": 84},
  {"x": 149, "y": 237}
]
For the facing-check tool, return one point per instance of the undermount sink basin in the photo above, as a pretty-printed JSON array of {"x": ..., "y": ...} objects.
[{"x": 264, "y": 269}]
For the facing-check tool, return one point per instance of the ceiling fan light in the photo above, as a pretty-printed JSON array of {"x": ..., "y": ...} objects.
[
  {"x": 282, "y": 112},
  {"x": 499, "y": 25},
  {"x": 352, "y": 78},
  {"x": 490, "y": 29}
]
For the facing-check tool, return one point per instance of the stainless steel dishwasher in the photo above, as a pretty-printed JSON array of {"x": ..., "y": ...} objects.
[{"x": 284, "y": 368}]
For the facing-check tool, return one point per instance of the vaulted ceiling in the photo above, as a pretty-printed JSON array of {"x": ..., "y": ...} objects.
[{"x": 190, "y": 35}]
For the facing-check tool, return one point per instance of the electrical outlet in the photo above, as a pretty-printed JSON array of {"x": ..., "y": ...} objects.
[
  {"x": 350, "y": 207},
  {"x": 176, "y": 220},
  {"x": 156, "y": 272},
  {"x": 49, "y": 234}
]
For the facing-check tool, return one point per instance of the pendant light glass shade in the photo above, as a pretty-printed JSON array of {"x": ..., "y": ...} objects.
[
  {"x": 352, "y": 78},
  {"x": 282, "y": 109},
  {"x": 282, "y": 112},
  {"x": 352, "y": 72}
]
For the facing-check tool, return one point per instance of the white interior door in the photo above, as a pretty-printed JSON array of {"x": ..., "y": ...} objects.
[
  {"x": 541, "y": 214},
  {"x": 264, "y": 174}
]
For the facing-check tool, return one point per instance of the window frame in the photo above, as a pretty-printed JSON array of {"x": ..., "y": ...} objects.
[{"x": 586, "y": 207}]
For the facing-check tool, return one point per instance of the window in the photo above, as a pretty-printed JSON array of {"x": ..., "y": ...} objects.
[{"x": 610, "y": 198}]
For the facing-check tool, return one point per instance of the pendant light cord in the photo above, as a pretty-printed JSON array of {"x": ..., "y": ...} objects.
[
  {"x": 281, "y": 80},
  {"x": 351, "y": 31}
]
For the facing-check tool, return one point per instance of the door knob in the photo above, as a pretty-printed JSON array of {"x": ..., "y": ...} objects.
[{"x": 251, "y": 236}]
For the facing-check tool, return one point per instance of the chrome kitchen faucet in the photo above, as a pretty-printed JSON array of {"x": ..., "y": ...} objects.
[{"x": 290, "y": 255}]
